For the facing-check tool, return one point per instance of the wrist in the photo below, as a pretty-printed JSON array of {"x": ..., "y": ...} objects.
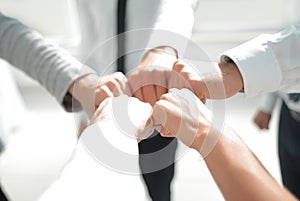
[
  {"x": 84, "y": 88},
  {"x": 163, "y": 50},
  {"x": 163, "y": 56},
  {"x": 231, "y": 77},
  {"x": 206, "y": 140}
]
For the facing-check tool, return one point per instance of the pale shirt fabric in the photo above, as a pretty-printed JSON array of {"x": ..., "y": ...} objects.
[
  {"x": 98, "y": 25},
  {"x": 105, "y": 164},
  {"x": 86, "y": 179},
  {"x": 11, "y": 105},
  {"x": 268, "y": 102},
  {"x": 269, "y": 62}
]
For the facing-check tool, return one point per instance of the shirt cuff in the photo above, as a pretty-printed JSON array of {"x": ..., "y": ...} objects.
[
  {"x": 267, "y": 102},
  {"x": 69, "y": 103},
  {"x": 258, "y": 65}
]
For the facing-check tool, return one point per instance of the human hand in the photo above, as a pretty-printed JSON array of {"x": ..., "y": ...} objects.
[
  {"x": 218, "y": 82},
  {"x": 91, "y": 90},
  {"x": 150, "y": 79},
  {"x": 181, "y": 114},
  {"x": 128, "y": 114},
  {"x": 262, "y": 119}
]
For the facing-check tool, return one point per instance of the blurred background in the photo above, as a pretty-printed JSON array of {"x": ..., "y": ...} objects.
[{"x": 34, "y": 159}]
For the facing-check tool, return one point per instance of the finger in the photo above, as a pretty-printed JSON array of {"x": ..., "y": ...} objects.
[
  {"x": 161, "y": 82},
  {"x": 101, "y": 94},
  {"x": 105, "y": 105},
  {"x": 138, "y": 94},
  {"x": 114, "y": 87},
  {"x": 176, "y": 80},
  {"x": 159, "y": 115},
  {"x": 170, "y": 97},
  {"x": 160, "y": 91},
  {"x": 165, "y": 133},
  {"x": 122, "y": 81},
  {"x": 165, "y": 114},
  {"x": 149, "y": 94},
  {"x": 178, "y": 66},
  {"x": 148, "y": 130},
  {"x": 134, "y": 82}
]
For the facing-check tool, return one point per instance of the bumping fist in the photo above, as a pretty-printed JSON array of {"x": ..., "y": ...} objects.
[
  {"x": 181, "y": 114},
  {"x": 111, "y": 85},
  {"x": 150, "y": 79},
  {"x": 128, "y": 114}
]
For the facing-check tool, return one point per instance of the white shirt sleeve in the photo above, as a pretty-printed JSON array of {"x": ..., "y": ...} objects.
[
  {"x": 268, "y": 102},
  {"x": 87, "y": 177},
  {"x": 269, "y": 62},
  {"x": 177, "y": 18},
  {"x": 45, "y": 62}
]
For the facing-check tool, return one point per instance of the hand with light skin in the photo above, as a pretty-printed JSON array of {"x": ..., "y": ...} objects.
[
  {"x": 235, "y": 169},
  {"x": 128, "y": 114},
  {"x": 262, "y": 119},
  {"x": 177, "y": 113},
  {"x": 91, "y": 90},
  {"x": 225, "y": 82},
  {"x": 150, "y": 79}
]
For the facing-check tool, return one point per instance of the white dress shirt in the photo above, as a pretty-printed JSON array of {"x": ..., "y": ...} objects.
[
  {"x": 98, "y": 26},
  {"x": 269, "y": 62},
  {"x": 268, "y": 102},
  {"x": 11, "y": 104}
]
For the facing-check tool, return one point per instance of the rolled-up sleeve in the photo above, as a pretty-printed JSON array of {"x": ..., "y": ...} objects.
[
  {"x": 45, "y": 62},
  {"x": 269, "y": 62}
]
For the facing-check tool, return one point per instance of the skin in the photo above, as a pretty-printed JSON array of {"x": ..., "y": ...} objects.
[
  {"x": 91, "y": 90},
  {"x": 262, "y": 120},
  {"x": 236, "y": 170},
  {"x": 223, "y": 84},
  {"x": 150, "y": 79}
]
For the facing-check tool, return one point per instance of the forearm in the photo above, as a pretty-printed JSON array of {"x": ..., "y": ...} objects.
[
  {"x": 269, "y": 62},
  {"x": 169, "y": 18},
  {"x": 268, "y": 102},
  {"x": 239, "y": 174},
  {"x": 45, "y": 62},
  {"x": 84, "y": 86},
  {"x": 174, "y": 24},
  {"x": 223, "y": 82}
]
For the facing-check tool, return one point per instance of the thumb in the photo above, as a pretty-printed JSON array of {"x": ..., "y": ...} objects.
[
  {"x": 159, "y": 116},
  {"x": 178, "y": 66}
]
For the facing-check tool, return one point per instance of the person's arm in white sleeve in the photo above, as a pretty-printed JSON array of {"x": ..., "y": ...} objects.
[
  {"x": 264, "y": 112},
  {"x": 269, "y": 62},
  {"x": 267, "y": 102},
  {"x": 106, "y": 158},
  {"x": 175, "y": 17},
  {"x": 170, "y": 35}
]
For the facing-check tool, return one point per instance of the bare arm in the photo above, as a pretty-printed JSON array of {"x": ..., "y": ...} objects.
[{"x": 236, "y": 170}]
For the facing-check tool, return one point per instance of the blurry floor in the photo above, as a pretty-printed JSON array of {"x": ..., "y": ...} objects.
[{"x": 34, "y": 160}]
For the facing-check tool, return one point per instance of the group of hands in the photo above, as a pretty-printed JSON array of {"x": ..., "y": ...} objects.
[{"x": 173, "y": 91}]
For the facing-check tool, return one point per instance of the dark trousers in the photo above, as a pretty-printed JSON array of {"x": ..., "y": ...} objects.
[
  {"x": 156, "y": 159},
  {"x": 2, "y": 196},
  {"x": 289, "y": 150}
]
